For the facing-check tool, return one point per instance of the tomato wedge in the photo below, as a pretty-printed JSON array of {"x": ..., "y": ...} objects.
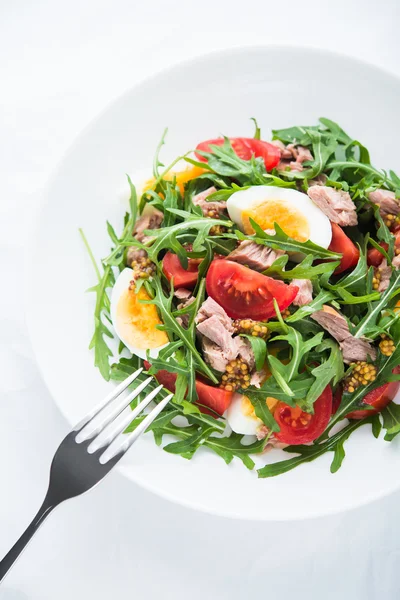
[
  {"x": 377, "y": 399},
  {"x": 182, "y": 278},
  {"x": 298, "y": 427},
  {"x": 245, "y": 148},
  {"x": 374, "y": 257},
  {"x": 244, "y": 293},
  {"x": 214, "y": 398},
  {"x": 342, "y": 243}
]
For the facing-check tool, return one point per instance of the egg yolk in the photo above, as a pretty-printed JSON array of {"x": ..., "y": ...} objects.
[
  {"x": 137, "y": 322},
  {"x": 248, "y": 408},
  {"x": 289, "y": 218},
  {"x": 181, "y": 177}
]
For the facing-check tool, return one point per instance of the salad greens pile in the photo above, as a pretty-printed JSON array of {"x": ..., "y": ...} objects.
[{"x": 302, "y": 358}]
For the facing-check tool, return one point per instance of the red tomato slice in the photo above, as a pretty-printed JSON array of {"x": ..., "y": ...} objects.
[
  {"x": 244, "y": 293},
  {"x": 245, "y": 148},
  {"x": 298, "y": 427},
  {"x": 378, "y": 398},
  {"x": 374, "y": 257},
  {"x": 182, "y": 278},
  {"x": 214, "y": 398},
  {"x": 343, "y": 244}
]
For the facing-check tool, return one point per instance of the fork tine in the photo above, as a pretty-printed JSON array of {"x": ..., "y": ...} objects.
[
  {"x": 132, "y": 437},
  {"x": 123, "y": 424},
  {"x": 116, "y": 410},
  {"x": 109, "y": 398}
]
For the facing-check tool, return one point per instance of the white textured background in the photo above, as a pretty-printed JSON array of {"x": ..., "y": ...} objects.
[{"x": 61, "y": 63}]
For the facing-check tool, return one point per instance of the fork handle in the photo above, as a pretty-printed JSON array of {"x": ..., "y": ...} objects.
[{"x": 20, "y": 545}]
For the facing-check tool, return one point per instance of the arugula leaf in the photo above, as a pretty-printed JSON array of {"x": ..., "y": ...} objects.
[
  {"x": 353, "y": 401},
  {"x": 375, "y": 308},
  {"x": 294, "y": 135},
  {"x": 303, "y": 270},
  {"x": 164, "y": 306},
  {"x": 348, "y": 298},
  {"x": 299, "y": 347},
  {"x": 102, "y": 352},
  {"x": 336, "y": 131},
  {"x": 257, "y": 133},
  {"x": 391, "y": 420},
  {"x": 323, "y": 297},
  {"x": 282, "y": 241},
  {"x": 310, "y": 453},
  {"x": 330, "y": 370},
  {"x": 259, "y": 347},
  {"x": 224, "y": 161}
]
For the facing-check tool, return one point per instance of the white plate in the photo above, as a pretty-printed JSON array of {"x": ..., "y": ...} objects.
[{"x": 198, "y": 100}]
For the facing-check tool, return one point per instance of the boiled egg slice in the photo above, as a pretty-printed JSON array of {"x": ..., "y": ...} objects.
[
  {"x": 241, "y": 416},
  {"x": 292, "y": 210},
  {"x": 134, "y": 322}
]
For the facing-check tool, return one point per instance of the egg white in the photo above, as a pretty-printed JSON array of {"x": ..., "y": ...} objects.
[
  {"x": 238, "y": 420},
  {"x": 319, "y": 225},
  {"x": 120, "y": 286}
]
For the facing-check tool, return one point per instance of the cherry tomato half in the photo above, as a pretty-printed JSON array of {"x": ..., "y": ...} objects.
[
  {"x": 182, "y": 278},
  {"x": 243, "y": 293},
  {"x": 342, "y": 244},
  {"x": 298, "y": 427},
  {"x": 214, "y": 398},
  {"x": 245, "y": 148}
]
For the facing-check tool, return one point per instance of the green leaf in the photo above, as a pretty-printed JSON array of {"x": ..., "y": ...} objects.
[
  {"x": 133, "y": 208},
  {"x": 278, "y": 372},
  {"x": 294, "y": 135},
  {"x": 330, "y": 370},
  {"x": 310, "y": 453},
  {"x": 391, "y": 420},
  {"x": 270, "y": 388},
  {"x": 257, "y": 133},
  {"x": 282, "y": 241},
  {"x": 348, "y": 298},
  {"x": 259, "y": 348},
  {"x": 337, "y": 131},
  {"x": 303, "y": 270},
  {"x": 172, "y": 326},
  {"x": 375, "y": 308},
  {"x": 322, "y": 298}
]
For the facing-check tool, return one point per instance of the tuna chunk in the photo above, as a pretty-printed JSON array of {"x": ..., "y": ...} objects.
[
  {"x": 285, "y": 152},
  {"x": 210, "y": 308},
  {"x": 151, "y": 220},
  {"x": 304, "y": 295},
  {"x": 333, "y": 322},
  {"x": 215, "y": 330},
  {"x": 292, "y": 156},
  {"x": 255, "y": 256},
  {"x": 385, "y": 272},
  {"x": 386, "y": 200},
  {"x": 320, "y": 179},
  {"x": 182, "y": 294},
  {"x": 210, "y": 209},
  {"x": 352, "y": 348},
  {"x": 335, "y": 204},
  {"x": 214, "y": 355},
  {"x": 396, "y": 262}
]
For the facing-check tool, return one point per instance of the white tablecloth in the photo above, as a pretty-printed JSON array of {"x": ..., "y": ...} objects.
[{"x": 60, "y": 64}]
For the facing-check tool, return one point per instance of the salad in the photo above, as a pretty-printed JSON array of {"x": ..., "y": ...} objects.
[{"x": 259, "y": 282}]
